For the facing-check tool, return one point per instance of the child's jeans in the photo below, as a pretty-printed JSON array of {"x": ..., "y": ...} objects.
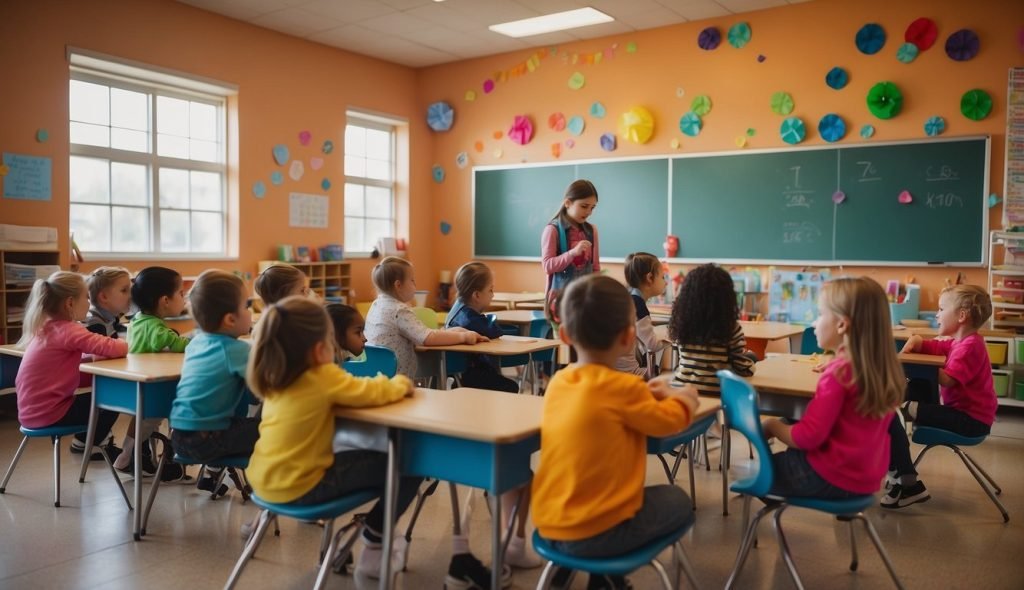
[
  {"x": 795, "y": 477},
  {"x": 360, "y": 470},
  {"x": 665, "y": 509},
  {"x": 207, "y": 445}
]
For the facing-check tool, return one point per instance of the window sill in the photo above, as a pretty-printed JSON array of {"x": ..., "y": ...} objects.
[{"x": 169, "y": 256}]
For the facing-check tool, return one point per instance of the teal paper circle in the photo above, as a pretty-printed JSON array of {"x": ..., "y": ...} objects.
[
  {"x": 792, "y": 130},
  {"x": 934, "y": 126},
  {"x": 831, "y": 128},
  {"x": 690, "y": 124},
  {"x": 739, "y": 35},
  {"x": 907, "y": 53},
  {"x": 276, "y": 178},
  {"x": 867, "y": 131},
  {"x": 576, "y": 125}
]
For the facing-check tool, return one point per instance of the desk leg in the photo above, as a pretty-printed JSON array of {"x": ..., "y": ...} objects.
[
  {"x": 496, "y": 545},
  {"x": 532, "y": 373},
  {"x": 89, "y": 434},
  {"x": 443, "y": 372},
  {"x": 137, "y": 492},
  {"x": 796, "y": 343},
  {"x": 390, "y": 500},
  {"x": 726, "y": 455}
]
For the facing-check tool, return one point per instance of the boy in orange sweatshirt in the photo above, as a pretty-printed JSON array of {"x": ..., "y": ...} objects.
[{"x": 589, "y": 497}]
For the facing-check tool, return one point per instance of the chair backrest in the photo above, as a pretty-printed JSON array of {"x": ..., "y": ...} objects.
[
  {"x": 809, "y": 342},
  {"x": 378, "y": 360},
  {"x": 427, "y": 316},
  {"x": 739, "y": 403}
]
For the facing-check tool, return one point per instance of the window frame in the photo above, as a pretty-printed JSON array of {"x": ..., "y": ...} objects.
[
  {"x": 154, "y": 163},
  {"x": 366, "y": 121}
]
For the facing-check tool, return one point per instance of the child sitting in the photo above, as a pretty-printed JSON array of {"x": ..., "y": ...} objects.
[
  {"x": 281, "y": 280},
  {"x": 54, "y": 343},
  {"x": 589, "y": 497},
  {"x": 208, "y": 418},
  {"x": 110, "y": 298},
  {"x": 292, "y": 370},
  {"x": 965, "y": 383},
  {"x": 645, "y": 280},
  {"x": 349, "y": 328}
]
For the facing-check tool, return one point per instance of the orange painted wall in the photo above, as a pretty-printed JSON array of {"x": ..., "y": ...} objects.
[
  {"x": 800, "y": 44},
  {"x": 285, "y": 85}
]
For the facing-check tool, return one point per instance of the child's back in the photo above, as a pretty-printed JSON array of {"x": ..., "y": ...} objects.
[
  {"x": 392, "y": 324},
  {"x": 212, "y": 386}
]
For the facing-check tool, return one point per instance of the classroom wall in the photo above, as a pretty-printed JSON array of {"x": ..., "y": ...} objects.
[
  {"x": 285, "y": 85},
  {"x": 799, "y": 45}
]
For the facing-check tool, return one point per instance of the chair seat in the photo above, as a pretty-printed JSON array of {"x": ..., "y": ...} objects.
[
  {"x": 53, "y": 430},
  {"x": 927, "y": 435},
  {"x": 327, "y": 510},
  {"x": 236, "y": 461},
  {"x": 837, "y": 507},
  {"x": 657, "y": 446},
  {"x": 618, "y": 565}
]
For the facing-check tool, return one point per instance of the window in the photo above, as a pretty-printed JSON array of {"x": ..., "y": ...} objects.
[
  {"x": 148, "y": 167},
  {"x": 369, "y": 183}
]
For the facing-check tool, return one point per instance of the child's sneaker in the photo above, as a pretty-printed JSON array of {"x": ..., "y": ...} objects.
[
  {"x": 368, "y": 565},
  {"x": 519, "y": 555},
  {"x": 78, "y": 448},
  {"x": 597, "y": 582},
  {"x": 901, "y": 497},
  {"x": 891, "y": 479},
  {"x": 208, "y": 483},
  {"x": 148, "y": 467},
  {"x": 465, "y": 572}
]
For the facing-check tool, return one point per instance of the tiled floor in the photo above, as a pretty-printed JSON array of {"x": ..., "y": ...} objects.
[{"x": 957, "y": 540}]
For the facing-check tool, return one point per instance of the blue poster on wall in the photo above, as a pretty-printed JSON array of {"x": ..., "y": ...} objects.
[
  {"x": 28, "y": 177},
  {"x": 793, "y": 295}
]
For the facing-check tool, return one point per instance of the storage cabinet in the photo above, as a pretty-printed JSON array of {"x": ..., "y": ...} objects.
[
  {"x": 14, "y": 292},
  {"x": 1006, "y": 286},
  {"x": 332, "y": 281}
]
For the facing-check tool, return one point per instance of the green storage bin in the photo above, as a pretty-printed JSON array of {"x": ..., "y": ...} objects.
[
  {"x": 1001, "y": 383},
  {"x": 1020, "y": 391}
]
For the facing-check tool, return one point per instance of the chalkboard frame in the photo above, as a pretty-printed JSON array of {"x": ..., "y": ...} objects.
[{"x": 982, "y": 244}]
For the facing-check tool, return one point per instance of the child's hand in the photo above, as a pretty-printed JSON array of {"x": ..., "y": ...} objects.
[
  {"x": 688, "y": 395},
  {"x": 582, "y": 247},
  {"x": 410, "y": 387},
  {"x": 469, "y": 337},
  {"x": 913, "y": 343},
  {"x": 660, "y": 386}
]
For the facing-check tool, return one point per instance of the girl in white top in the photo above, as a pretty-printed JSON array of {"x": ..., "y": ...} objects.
[{"x": 645, "y": 279}]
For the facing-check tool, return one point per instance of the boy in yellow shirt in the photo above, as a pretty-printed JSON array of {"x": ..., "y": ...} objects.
[{"x": 589, "y": 498}]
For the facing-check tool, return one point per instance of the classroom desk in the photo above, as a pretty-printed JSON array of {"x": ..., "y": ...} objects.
[
  {"x": 142, "y": 385},
  {"x": 511, "y": 300},
  {"x": 904, "y": 333},
  {"x": 504, "y": 346},
  {"x": 758, "y": 334},
  {"x": 521, "y": 318},
  {"x": 10, "y": 360},
  {"x": 475, "y": 437}
]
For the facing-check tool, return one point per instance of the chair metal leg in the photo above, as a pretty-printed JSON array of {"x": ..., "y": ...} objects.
[
  {"x": 421, "y": 497},
  {"x": 995, "y": 487},
  {"x": 326, "y": 539},
  {"x": 693, "y": 485},
  {"x": 853, "y": 546},
  {"x": 747, "y": 543},
  {"x": 873, "y": 535},
  {"x": 660, "y": 569},
  {"x": 668, "y": 470},
  {"x": 707, "y": 459},
  {"x": 684, "y": 564},
  {"x": 977, "y": 476},
  {"x": 89, "y": 434},
  {"x": 157, "y": 477},
  {"x": 56, "y": 471},
  {"x": 921, "y": 454},
  {"x": 14, "y": 463},
  {"x": 725, "y": 451},
  {"x": 453, "y": 492},
  {"x": 325, "y": 555},
  {"x": 344, "y": 550},
  {"x": 546, "y": 576},
  {"x": 250, "y": 548},
  {"x": 784, "y": 549}
]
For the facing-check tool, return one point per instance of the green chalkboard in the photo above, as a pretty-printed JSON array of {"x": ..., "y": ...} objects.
[
  {"x": 512, "y": 206},
  {"x": 773, "y": 205}
]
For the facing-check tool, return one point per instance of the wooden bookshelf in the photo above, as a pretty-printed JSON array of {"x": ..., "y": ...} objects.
[
  {"x": 17, "y": 295},
  {"x": 331, "y": 281}
]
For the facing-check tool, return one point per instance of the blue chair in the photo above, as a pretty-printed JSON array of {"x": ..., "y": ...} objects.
[
  {"x": 937, "y": 437},
  {"x": 378, "y": 359},
  {"x": 809, "y": 342},
  {"x": 332, "y": 549},
  {"x": 56, "y": 433},
  {"x": 620, "y": 565},
  {"x": 739, "y": 402},
  {"x": 686, "y": 438}
]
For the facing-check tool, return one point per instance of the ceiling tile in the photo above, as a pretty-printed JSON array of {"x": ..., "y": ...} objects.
[
  {"x": 295, "y": 22},
  {"x": 405, "y": 4},
  {"x": 396, "y": 24},
  {"x": 230, "y": 10},
  {"x": 602, "y": 30},
  {"x": 446, "y": 16},
  {"x": 553, "y": 6},
  {"x": 262, "y": 6},
  {"x": 651, "y": 19},
  {"x": 696, "y": 10},
  {"x": 620, "y": 8},
  {"x": 349, "y": 11},
  {"x": 352, "y": 37},
  {"x": 406, "y": 52},
  {"x": 491, "y": 12}
]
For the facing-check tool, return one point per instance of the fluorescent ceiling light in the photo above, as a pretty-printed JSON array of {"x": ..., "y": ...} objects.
[{"x": 559, "y": 21}]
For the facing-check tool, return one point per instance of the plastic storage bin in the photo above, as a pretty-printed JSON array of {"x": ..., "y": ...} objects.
[
  {"x": 1001, "y": 383},
  {"x": 997, "y": 352},
  {"x": 1020, "y": 391}
]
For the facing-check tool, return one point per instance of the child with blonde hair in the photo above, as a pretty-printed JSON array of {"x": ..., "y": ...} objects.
[
  {"x": 474, "y": 286},
  {"x": 645, "y": 280},
  {"x": 292, "y": 369},
  {"x": 839, "y": 449},
  {"x": 281, "y": 280},
  {"x": 110, "y": 297},
  {"x": 965, "y": 384},
  {"x": 54, "y": 342}
]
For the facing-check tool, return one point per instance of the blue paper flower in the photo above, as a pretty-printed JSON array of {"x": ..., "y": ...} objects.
[
  {"x": 867, "y": 131},
  {"x": 934, "y": 126},
  {"x": 831, "y": 127},
  {"x": 438, "y": 173},
  {"x": 836, "y": 78},
  {"x": 276, "y": 178},
  {"x": 259, "y": 189},
  {"x": 325, "y": 184},
  {"x": 690, "y": 124},
  {"x": 576, "y": 125},
  {"x": 440, "y": 116},
  {"x": 609, "y": 142},
  {"x": 739, "y": 35},
  {"x": 792, "y": 130},
  {"x": 907, "y": 53},
  {"x": 597, "y": 110},
  {"x": 870, "y": 38},
  {"x": 709, "y": 38}
]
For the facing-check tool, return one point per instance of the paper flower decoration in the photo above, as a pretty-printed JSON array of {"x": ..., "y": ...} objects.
[
  {"x": 608, "y": 142},
  {"x": 792, "y": 130},
  {"x": 690, "y": 124},
  {"x": 462, "y": 159},
  {"x": 556, "y": 121},
  {"x": 276, "y": 178},
  {"x": 316, "y": 163},
  {"x": 867, "y": 131},
  {"x": 782, "y": 103},
  {"x": 884, "y": 100},
  {"x": 741, "y": 141},
  {"x": 934, "y": 126},
  {"x": 470, "y": 96},
  {"x": 576, "y": 125},
  {"x": 521, "y": 130},
  {"x": 597, "y": 110},
  {"x": 42, "y": 135},
  {"x": 556, "y": 149},
  {"x": 570, "y": 143},
  {"x": 488, "y": 86},
  {"x": 328, "y": 147},
  {"x": 674, "y": 144},
  {"x": 296, "y": 170},
  {"x": 576, "y": 81},
  {"x": 739, "y": 35},
  {"x": 870, "y": 38},
  {"x": 701, "y": 105},
  {"x": 976, "y": 104},
  {"x": 993, "y": 200},
  {"x": 836, "y": 78},
  {"x": 831, "y": 127},
  {"x": 259, "y": 189},
  {"x": 446, "y": 228},
  {"x": 325, "y": 184},
  {"x": 305, "y": 137},
  {"x": 962, "y": 45},
  {"x": 438, "y": 173},
  {"x": 709, "y": 38},
  {"x": 922, "y": 33},
  {"x": 440, "y": 116},
  {"x": 280, "y": 152},
  {"x": 906, "y": 53},
  {"x": 636, "y": 125}
]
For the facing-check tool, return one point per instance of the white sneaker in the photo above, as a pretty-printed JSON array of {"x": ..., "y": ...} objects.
[
  {"x": 368, "y": 564},
  {"x": 519, "y": 555},
  {"x": 891, "y": 480}
]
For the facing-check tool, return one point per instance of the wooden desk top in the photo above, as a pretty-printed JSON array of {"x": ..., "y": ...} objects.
[
  {"x": 903, "y": 332},
  {"x": 507, "y": 297},
  {"x": 474, "y": 414},
  {"x": 706, "y": 407},
  {"x": 504, "y": 346},
  {"x": 793, "y": 374},
  {"x": 12, "y": 350},
  {"x": 516, "y": 316},
  {"x": 770, "y": 330},
  {"x": 143, "y": 368}
]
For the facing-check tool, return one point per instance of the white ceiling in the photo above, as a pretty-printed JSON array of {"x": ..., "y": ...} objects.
[{"x": 421, "y": 33}]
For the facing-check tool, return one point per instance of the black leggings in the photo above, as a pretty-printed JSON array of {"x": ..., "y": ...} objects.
[{"x": 78, "y": 413}]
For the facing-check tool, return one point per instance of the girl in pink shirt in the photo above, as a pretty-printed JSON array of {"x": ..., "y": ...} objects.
[
  {"x": 568, "y": 244},
  {"x": 965, "y": 384},
  {"x": 54, "y": 342},
  {"x": 839, "y": 449}
]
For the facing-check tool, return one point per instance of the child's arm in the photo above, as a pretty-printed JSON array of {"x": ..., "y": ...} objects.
[
  {"x": 822, "y": 413},
  {"x": 776, "y": 428},
  {"x": 81, "y": 339},
  {"x": 363, "y": 392},
  {"x": 742, "y": 363},
  {"x": 933, "y": 346},
  {"x": 167, "y": 339},
  {"x": 643, "y": 411},
  {"x": 453, "y": 336},
  {"x": 479, "y": 323},
  {"x": 596, "y": 257},
  {"x": 551, "y": 260}
]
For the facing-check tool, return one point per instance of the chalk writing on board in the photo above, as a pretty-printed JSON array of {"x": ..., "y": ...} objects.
[
  {"x": 28, "y": 177},
  {"x": 795, "y": 232},
  {"x": 796, "y": 176},
  {"x": 868, "y": 172},
  {"x": 798, "y": 198},
  {"x": 941, "y": 173},
  {"x": 944, "y": 201}
]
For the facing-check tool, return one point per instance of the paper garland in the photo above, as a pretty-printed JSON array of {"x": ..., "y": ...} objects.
[
  {"x": 690, "y": 124},
  {"x": 962, "y": 45},
  {"x": 976, "y": 104},
  {"x": 884, "y": 100},
  {"x": 870, "y": 38},
  {"x": 709, "y": 38},
  {"x": 934, "y": 126},
  {"x": 836, "y": 78},
  {"x": 832, "y": 128},
  {"x": 608, "y": 142},
  {"x": 782, "y": 103},
  {"x": 739, "y": 34},
  {"x": 922, "y": 33},
  {"x": 701, "y": 105},
  {"x": 907, "y": 53},
  {"x": 521, "y": 131},
  {"x": 576, "y": 125},
  {"x": 792, "y": 130},
  {"x": 440, "y": 116},
  {"x": 636, "y": 125}
]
